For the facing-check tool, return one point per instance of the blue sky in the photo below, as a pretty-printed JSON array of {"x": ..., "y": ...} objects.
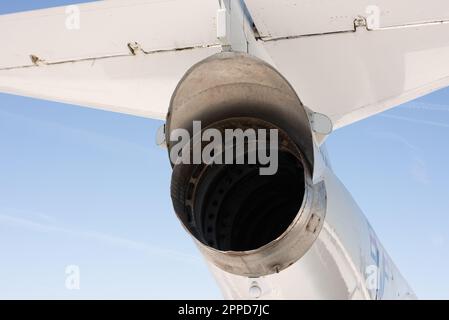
[{"x": 90, "y": 188}]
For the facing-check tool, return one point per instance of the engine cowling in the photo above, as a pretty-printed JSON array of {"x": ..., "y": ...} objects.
[{"x": 244, "y": 222}]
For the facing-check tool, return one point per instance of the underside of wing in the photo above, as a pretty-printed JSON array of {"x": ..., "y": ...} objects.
[
  {"x": 351, "y": 59},
  {"x": 346, "y": 59},
  {"x": 119, "y": 55}
]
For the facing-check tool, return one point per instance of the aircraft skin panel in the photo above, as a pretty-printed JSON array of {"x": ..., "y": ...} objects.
[
  {"x": 136, "y": 85},
  {"x": 352, "y": 76},
  {"x": 289, "y": 18},
  {"x": 104, "y": 29}
]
